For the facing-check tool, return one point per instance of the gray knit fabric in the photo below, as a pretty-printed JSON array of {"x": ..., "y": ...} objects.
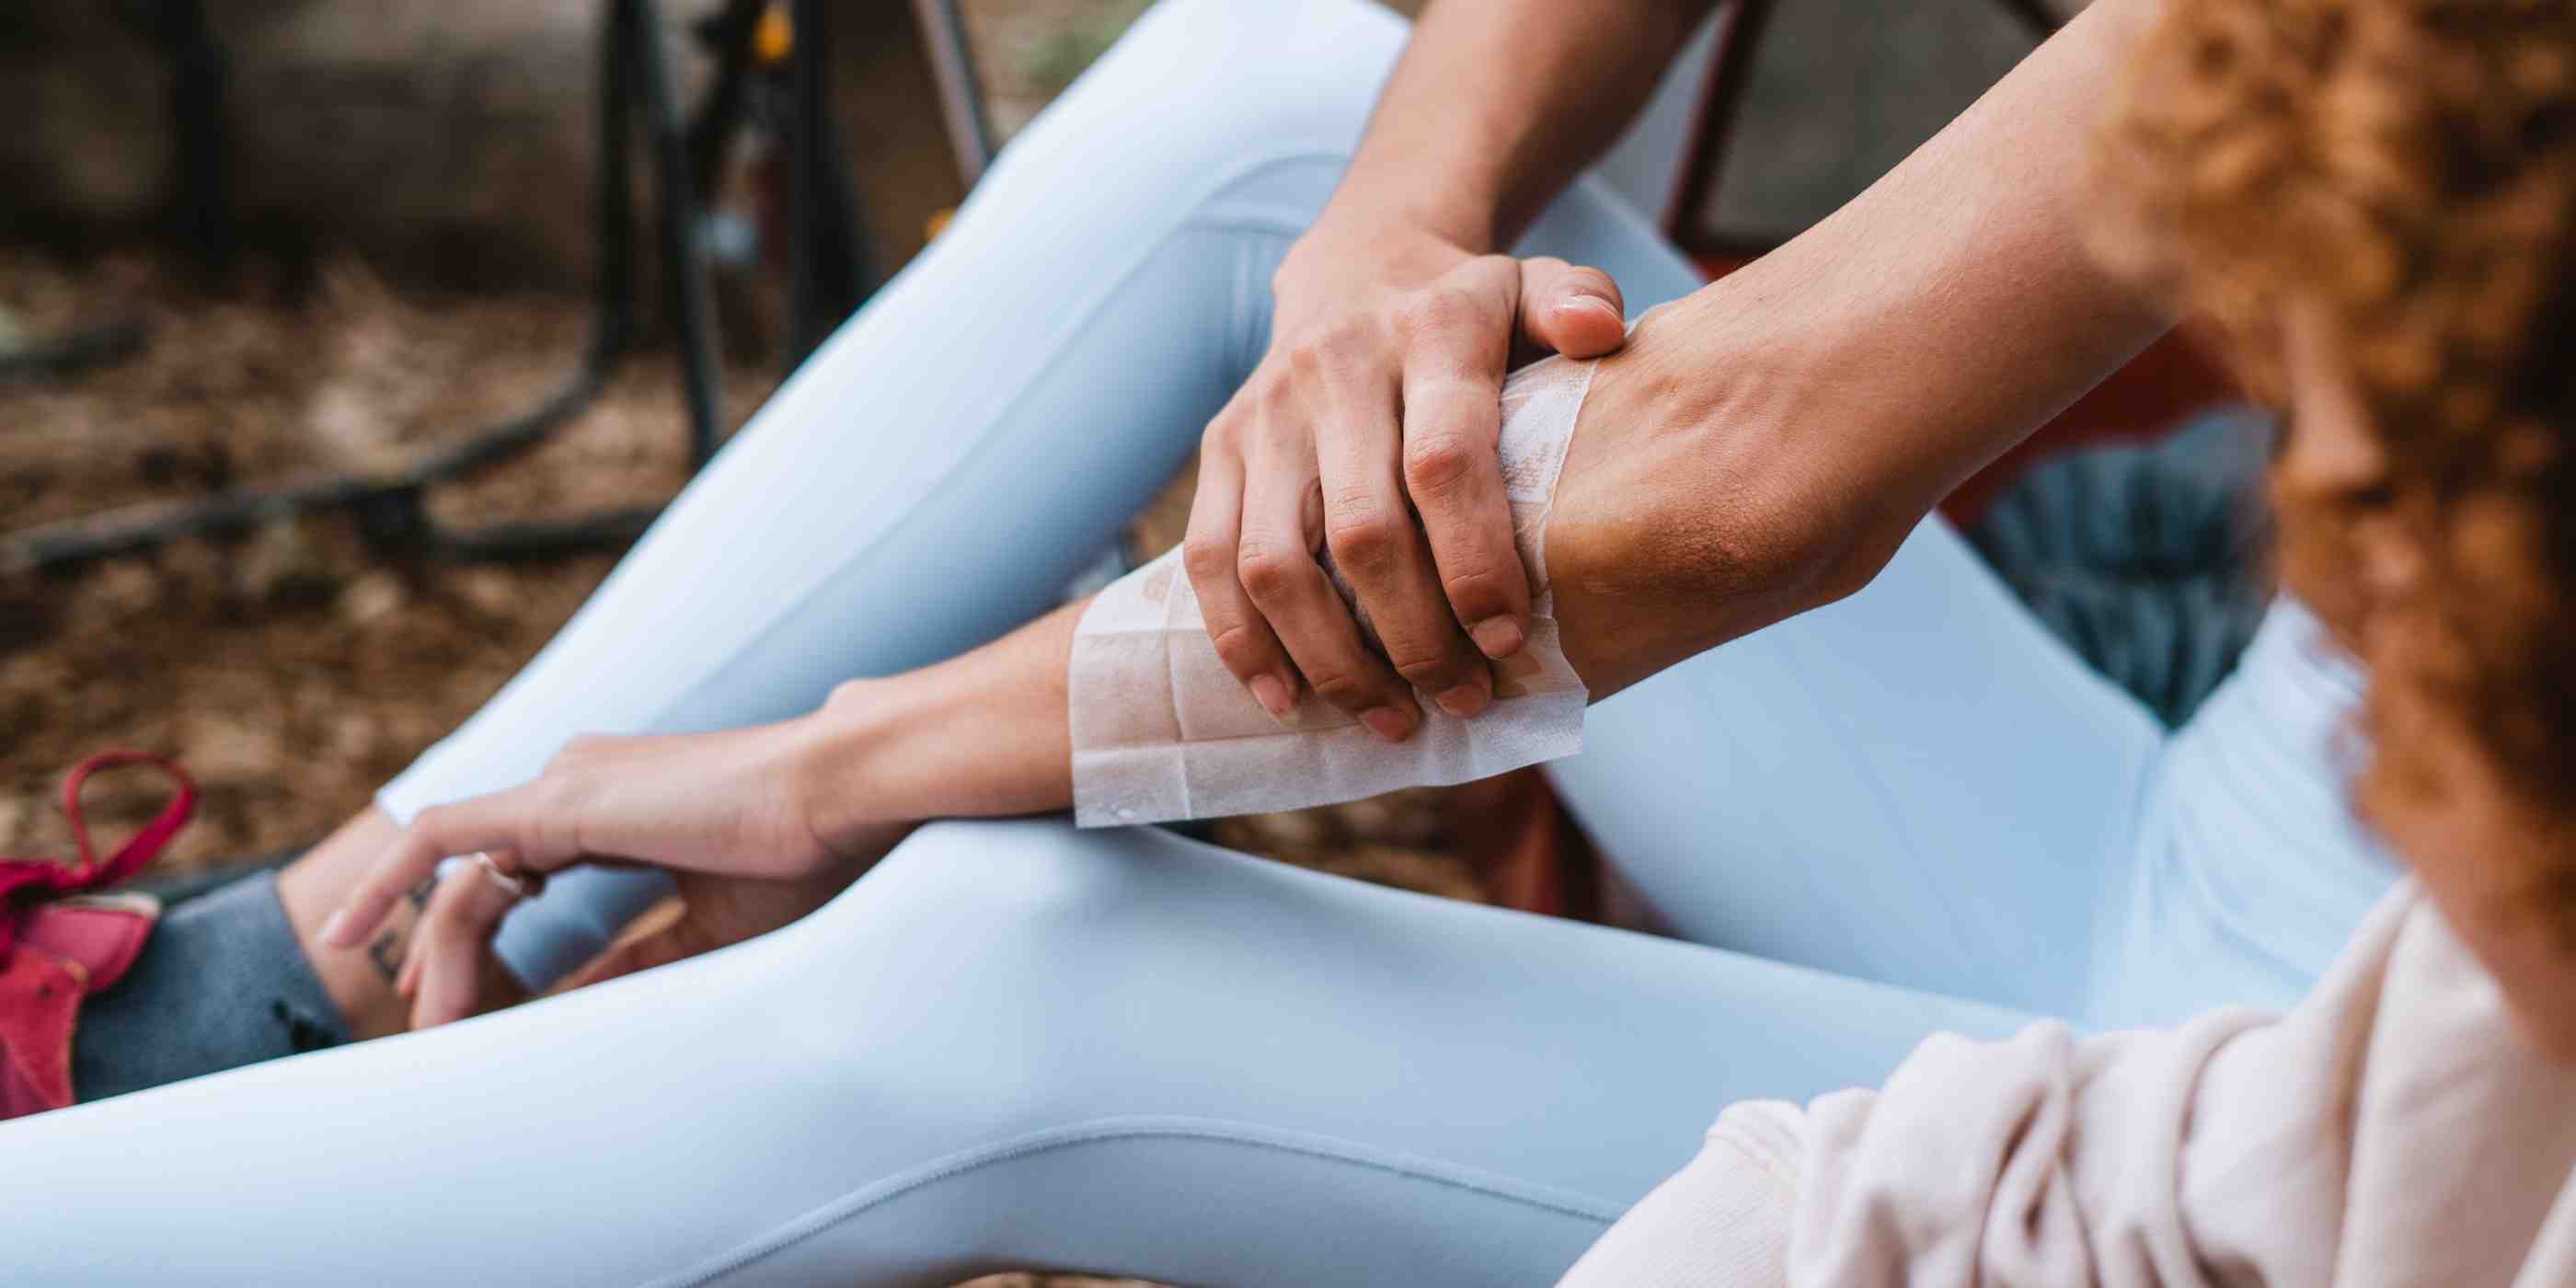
[
  {"x": 2147, "y": 559},
  {"x": 221, "y": 983}
]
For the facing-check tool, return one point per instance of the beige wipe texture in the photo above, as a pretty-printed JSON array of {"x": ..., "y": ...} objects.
[{"x": 1161, "y": 730}]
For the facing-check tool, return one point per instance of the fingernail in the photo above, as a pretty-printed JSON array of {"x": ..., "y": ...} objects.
[
  {"x": 1498, "y": 637},
  {"x": 333, "y": 925},
  {"x": 1463, "y": 701},
  {"x": 1271, "y": 694},
  {"x": 1387, "y": 723},
  {"x": 1602, "y": 307}
]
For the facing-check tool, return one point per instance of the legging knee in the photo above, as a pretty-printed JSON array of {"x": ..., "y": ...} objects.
[{"x": 1198, "y": 84}]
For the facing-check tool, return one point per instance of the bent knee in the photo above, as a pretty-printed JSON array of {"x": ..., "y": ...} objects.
[
  {"x": 1234, "y": 37},
  {"x": 984, "y": 951},
  {"x": 1028, "y": 889},
  {"x": 1207, "y": 80}
]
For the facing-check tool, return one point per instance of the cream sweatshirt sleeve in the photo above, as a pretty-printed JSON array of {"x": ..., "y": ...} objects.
[{"x": 2393, "y": 1129}]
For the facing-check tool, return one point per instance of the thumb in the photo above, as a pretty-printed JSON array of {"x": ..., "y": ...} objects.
[{"x": 1570, "y": 310}]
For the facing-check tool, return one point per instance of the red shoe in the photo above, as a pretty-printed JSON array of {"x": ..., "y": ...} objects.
[{"x": 59, "y": 942}]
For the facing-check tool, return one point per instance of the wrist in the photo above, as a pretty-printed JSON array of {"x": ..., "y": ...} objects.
[
  {"x": 1709, "y": 490},
  {"x": 979, "y": 735},
  {"x": 838, "y": 756},
  {"x": 1352, "y": 251},
  {"x": 1459, "y": 227}
]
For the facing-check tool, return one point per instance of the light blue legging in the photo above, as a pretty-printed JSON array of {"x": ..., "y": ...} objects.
[{"x": 1014, "y": 1044}]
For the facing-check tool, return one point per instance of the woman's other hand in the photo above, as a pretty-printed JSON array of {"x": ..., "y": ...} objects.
[
  {"x": 1369, "y": 430},
  {"x": 731, "y": 813}
]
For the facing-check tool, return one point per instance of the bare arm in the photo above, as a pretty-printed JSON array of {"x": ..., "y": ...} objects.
[
  {"x": 1756, "y": 450},
  {"x": 1495, "y": 106},
  {"x": 1393, "y": 324},
  {"x": 1790, "y": 424}
]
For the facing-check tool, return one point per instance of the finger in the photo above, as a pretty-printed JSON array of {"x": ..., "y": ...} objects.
[
  {"x": 407, "y": 980},
  {"x": 1569, "y": 309},
  {"x": 1283, "y": 523},
  {"x": 632, "y": 953},
  {"x": 1243, "y": 640},
  {"x": 516, "y": 820},
  {"x": 1369, "y": 529},
  {"x": 451, "y": 943},
  {"x": 1453, "y": 388}
]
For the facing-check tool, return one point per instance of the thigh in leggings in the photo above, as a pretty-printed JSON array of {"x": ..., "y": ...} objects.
[
  {"x": 1013, "y": 1044},
  {"x": 1918, "y": 785},
  {"x": 939, "y": 469}
]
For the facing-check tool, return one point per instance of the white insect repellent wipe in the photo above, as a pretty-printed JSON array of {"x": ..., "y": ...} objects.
[{"x": 1162, "y": 731}]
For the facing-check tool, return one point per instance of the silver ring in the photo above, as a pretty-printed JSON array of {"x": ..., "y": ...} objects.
[{"x": 521, "y": 885}]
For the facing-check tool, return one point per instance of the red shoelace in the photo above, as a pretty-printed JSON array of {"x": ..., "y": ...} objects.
[{"x": 27, "y": 881}]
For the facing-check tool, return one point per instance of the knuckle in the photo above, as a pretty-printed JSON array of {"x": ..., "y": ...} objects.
[
  {"x": 1364, "y": 539},
  {"x": 1275, "y": 394},
  {"x": 1207, "y": 558},
  {"x": 1480, "y": 591},
  {"x": 1306, "y": 362},
  {"x": 1344, "y": 689},
  {"x": 1220, "y": 438},
  {"x": 1329, "y": 350},
  {"x": 1426, "y": 665},
  {"x": 1438, "y": 461},
  {"x": 1240, "y": 648},
  {"x": 1269, "y": 571}
]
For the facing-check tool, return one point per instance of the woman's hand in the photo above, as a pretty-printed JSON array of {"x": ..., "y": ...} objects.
[
  {"x": 450, "y": 971},
  {"x": 732, "y": 813},
  {"x": 1378, "y": 402}
]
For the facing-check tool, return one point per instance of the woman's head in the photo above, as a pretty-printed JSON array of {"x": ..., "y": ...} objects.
[{"x": 2375, "y": 202}]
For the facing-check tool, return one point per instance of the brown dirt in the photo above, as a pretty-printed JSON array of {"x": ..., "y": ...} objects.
[{"x": 294, "y": 668}]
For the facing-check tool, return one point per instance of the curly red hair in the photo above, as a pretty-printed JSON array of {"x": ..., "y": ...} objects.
[{"x": 2404, "y": 172}]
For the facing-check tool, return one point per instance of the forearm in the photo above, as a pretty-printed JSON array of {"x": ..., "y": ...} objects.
[
  {"x": 1763, "y": 446},
  {"x": 983, "y": 734},
  {"x": 1956, "y": 305},
  {"x": 1756, "y": 450},
  {"x": 1497, "y": 104}
]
